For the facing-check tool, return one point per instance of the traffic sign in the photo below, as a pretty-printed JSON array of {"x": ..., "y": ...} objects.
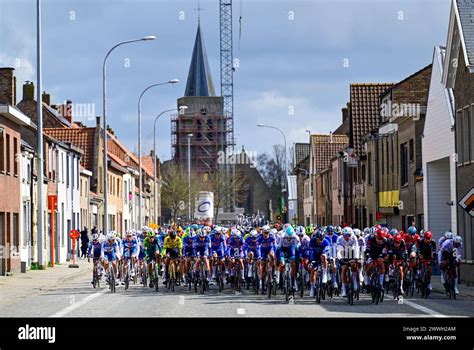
[
  {"x": 467, "y": 202},
  {"x": 74, "y": 234}
]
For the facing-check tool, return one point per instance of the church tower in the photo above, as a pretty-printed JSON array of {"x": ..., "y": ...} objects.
[{"x": 204, "y": 117}]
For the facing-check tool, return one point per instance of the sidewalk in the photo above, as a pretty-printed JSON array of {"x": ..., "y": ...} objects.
[{"x": 32, "y": 282}]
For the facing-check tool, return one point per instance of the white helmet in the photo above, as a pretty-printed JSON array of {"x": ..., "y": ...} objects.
[
  {"x": 266, "y": 228},
  {"x": 357, "y": 232},
  {"x": 448, "y": 235},
  {"x": 95, "y": 236},
  {"x": 366, "y": 231},
  {"x": 202, "y": 233},
  {"x": 253, "y": 233},
  {"x": 457, "y": 239},
  {"x": 347, "y": 231},
  {"x": 273, "y": 231},
  {"x": 111, "y": 235},
  {"x": 235, "y": 232}
]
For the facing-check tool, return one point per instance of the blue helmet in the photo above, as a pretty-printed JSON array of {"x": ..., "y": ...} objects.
[
  {"x": 290, "y": 231},
  {"x": 412, "y": 230}
]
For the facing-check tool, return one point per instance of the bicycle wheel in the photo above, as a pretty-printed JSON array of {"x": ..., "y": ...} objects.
[{"x": 127, "y": 275}]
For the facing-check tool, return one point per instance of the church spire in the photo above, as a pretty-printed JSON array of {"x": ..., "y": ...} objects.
[{"x": 199, "y": 77}]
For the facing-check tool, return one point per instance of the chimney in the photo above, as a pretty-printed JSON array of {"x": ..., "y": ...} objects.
[
  {"x": 97, "y": 121},
  {"x": 7, "y": 86},
  {"x": 345, "y": 114},
  {"x": 152, "y": 153},
  {"x": 46, "y": 98},
  {"x": 28, "y": 91},
  {"x": 68, "y": 111}
]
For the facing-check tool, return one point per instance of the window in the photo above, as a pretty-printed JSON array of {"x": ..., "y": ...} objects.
[
  {"x": 412, "y": 151},
  {"x": 363, "y": 174},
  {"x": 2, "y": 150},
  {"x": 67, "y": 171},
  {"x": 369, "y": 167},
  {"x": 16, "y": 233},
  {"x": 16, "y": 155},
  {"x": 404, "y": 164},
  {"x": 466, "y": 140},
  {"x": 8, "y": 157},
  {"x": 118, "y": 188}
]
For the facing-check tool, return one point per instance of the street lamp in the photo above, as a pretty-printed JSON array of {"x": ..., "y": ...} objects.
[
  {"x": 189, "y": 177},
  {"x": 181, "y": 108},
  {"x": 104, "y": 103},
  {"x": 286, "y": 166},
  {"x": 140, "y": 180}
]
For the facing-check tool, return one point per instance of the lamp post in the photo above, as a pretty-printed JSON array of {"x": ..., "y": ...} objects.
[
  {"x": 181, "y": 108},
  {"x": 104, "y": 103},
  {"x": 189, "y": 177},
  {"x": 286, "y": 165},
  {"x": 140, "y": 179},
  {"x": 313, "y": 186}
]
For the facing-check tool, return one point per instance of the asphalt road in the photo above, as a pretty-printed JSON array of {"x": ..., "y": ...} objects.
[{"x": 78, "y": 299}]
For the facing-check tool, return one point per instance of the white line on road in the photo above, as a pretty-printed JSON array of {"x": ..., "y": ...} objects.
[
  {"x": 181, "y": 300},
  {"x": 423, "y": 309},
  {"x": 74, "y": 306},
  {"x": 240, "y": 311}
]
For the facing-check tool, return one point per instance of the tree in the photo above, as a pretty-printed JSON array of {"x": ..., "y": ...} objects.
[{"x": 174, "y": 189}]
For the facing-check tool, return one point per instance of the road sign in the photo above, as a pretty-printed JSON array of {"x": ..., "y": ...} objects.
[
  {"x": 467, "y": 202},
  {"x": 74, "y": 234}
]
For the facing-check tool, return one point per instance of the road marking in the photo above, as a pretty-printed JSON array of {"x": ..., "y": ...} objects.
[
  {"x": 240, "y": 311},
  {"x": 74, "y": 306},
  {"x": 423, "y": 309},
  {"x": 181, "y": 300}
]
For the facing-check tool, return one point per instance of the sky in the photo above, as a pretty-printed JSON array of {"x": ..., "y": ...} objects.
[{"x": 294, "y": 59}]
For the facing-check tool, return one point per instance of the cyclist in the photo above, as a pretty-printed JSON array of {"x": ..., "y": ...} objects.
[
  {"x": 332, "y": 237},
  {"x": 188, "y": 246},
  {"x": 152, "y": 251},
  {"x": 348, "y": 253},
  {"x": 426, "y": 250},
  {"x": 397, "y": 251},
  {"x": 235, "y": 251},
  {"x": 95, "y": 246},
  {"x": 110, "y": 253},
  {"x": 288, "y": 245},
  {"x": 172, "y": 248},
  {"x": 361, "y": 243},
  {"x": 218, "y": 250},
  {"x": 375, "y": 252},
  {"x": 130, "y": 251},
  {"x": 251, "y": 250},
  {"x": 447, "y": 235},
  {"x": 302, "y": 250},
  {"x": 201, "y": 249},
  {"x": 266, "y": 246},
  {"x": 317, "y": 253},
  {"x": 450, "y": 252}
]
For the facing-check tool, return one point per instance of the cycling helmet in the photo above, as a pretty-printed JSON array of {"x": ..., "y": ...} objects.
[
  {"x": 172, "y": 233},
  {"x": 111, "y": 235},
  {"x": 347, "y": 231},
  {"x": 273, "y": 231},
  {"x": 318, "y": 235},
  {"x": 95, "y": 236},
  {"x": 338, "y": 230},
  {"x": 380, "y": 234},
  {"x": 207, "y": 229},
  {"x": 457, "y": 239},
  {"x": 357, "y": 232},
  {"x": 192, "y": 233},
  {"x": 309, "y": 230},
  {"x": 366, "y": 230},
  {"x": 385, "y": 229},
  {"x": 202, "y": 233},
  {"x": 329, "y": 229},
  {"x": 393, "y": 231},
  {"x": 266, "y": 228},
  {"x": 412, "y": 230},
  {"x": 397, "y": 238},
  {"x": 289, "y": 232},
  {"x": 253, "y": 233},
  {"x": 150, "y": 234},
  {"x": 300, "y": 231},
  {"x": 448, "y": 235},
  {"x": 428, "y": 235}
]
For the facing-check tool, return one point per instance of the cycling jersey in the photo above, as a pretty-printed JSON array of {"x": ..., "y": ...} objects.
[
  {"x": 110, "y": 250},
  {"x": 235, "y": 247},
  {"x": 188, "y": 244},
  {"x": 130, "y": 247},
  {"x": 218, "y": 245},
  {"x": 151, "y": 245},
  {"x": 172, "y": 246},
  {"x": 96, "y": 247},
  {"x": 347, "y": 249},
  {"x": 427, "y": 250},
  {"x": 201, "y": 246},
  {"x": 302, "y": 249},
  {"x": 288, "y": 247},
  {"x": 317, "y": 249},
  {"x": 449, "y": 251},
  {"x": 250, "y": 245},
  {"x": 410, "y": 241},
  {"x": 266, "y": 245},
  {"x": 400, "y": 252},
  {"x": 375, "y": 250}
]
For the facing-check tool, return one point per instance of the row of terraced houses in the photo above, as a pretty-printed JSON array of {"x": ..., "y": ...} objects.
[
  {"x": 73, "y": 179},
  {"x": 404, "y": 152}
]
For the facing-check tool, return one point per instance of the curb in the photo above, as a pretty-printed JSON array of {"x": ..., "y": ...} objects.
[{"x": 73, "y": 276}]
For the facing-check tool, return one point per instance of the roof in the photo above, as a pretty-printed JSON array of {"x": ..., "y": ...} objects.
[
  {"x": 301, "y": 152},
  {"x": 148, "y": 166},
  {"x": 325, "y": 147},
  {"x": 199, "y": 77},
  {"x": 115, "y": 147},
  {"x": 466, "y": 16},
  {"x": 406, "y": 79},
  {"x": 365, "y": 110},
  {"x": 82, "y": 138}
]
